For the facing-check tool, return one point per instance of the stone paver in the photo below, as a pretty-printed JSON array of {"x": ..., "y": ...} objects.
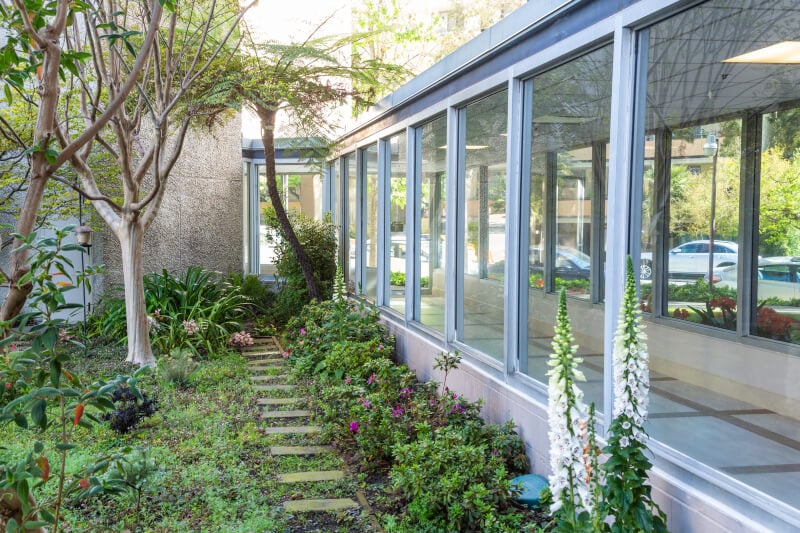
[
  {"x": 299, "y": 450},
  {"x": 278, "y": 401},
  {"x": 264, "y": 356},
  {"x": 327, "y": 504},
  {"x": 263, "y": 388},
  {"x": 275, "y": 377},
  {"x": 288, "y": 430},
  {"x": 305, "y": 477},
  {"x": 297, "y": 413}
]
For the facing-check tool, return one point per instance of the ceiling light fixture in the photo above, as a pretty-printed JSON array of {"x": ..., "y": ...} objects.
[{"x": 786, "y": 52}]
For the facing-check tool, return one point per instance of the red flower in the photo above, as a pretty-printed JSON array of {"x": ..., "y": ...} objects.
[
  {"x": 723, "y": 302},
  {"x": 83, "y": 483},
  {"x": 680, "y": 313}
]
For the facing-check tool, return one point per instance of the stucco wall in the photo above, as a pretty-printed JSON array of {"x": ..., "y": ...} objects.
[{"x": 200, "y": 220}]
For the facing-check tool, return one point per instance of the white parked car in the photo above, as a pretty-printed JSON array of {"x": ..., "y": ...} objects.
[
  {"x": 778, "y": 277},
  {"x": 690, "y": 259}
]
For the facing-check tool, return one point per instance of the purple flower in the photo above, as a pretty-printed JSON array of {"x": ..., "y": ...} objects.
[
  {"x": 372, "y": 379},
  {"x": 380, "y": 346},
  {"x": 366, "y": 404},
  {"x": 347, "y": 380},
  {"x": 302, "y": 331},
  {"x": 495, "y": 452},
  {"x": 397, "y": 411},
  {"x": 354, "y": 427},
  {"x": 406, "y": 392},
  {"x": 455, "y": 396}
]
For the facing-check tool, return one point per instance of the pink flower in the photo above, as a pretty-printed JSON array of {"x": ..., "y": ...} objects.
[
  {"x": 302, "y": 331},
  {"x": 366, "y": 404},
  {"x": 285, "y": 354},
  {"x": 354, "y": 427},
  {"x": 347, "y": 380},
  {"x": 397, "y": 411},
  {"x": 191, "y": 327},
  {"x": 372, "y": 379}
]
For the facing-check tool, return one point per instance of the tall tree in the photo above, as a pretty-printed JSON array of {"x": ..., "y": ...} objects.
[
  {"x": 39, "y": 51},
  {"x": 172, "y": 69},
  {"x": 304, "y": 83}
]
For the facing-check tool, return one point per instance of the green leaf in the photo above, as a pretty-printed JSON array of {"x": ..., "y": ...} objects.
[
  {"x": 21, "y": 420},
  {"x": 39, "y": 414},
  {"x": 47, "y": 516},
  {"x": 65, "y": 447},
  {"x": 12, "y": 526},
  {"x": 33, "y": 524}
]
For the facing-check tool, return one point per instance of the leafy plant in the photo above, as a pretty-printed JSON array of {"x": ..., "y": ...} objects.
[
  {"x": 451, "y": 484},
  {"x": 318, "y": 240},
  {"x": 177, "y": 366},
  {"x": 41, "y": 393},
  {"x": 130, "y": 406}
]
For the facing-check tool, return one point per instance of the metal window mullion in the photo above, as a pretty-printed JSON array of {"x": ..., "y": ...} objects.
[
  {"x": 662, "y": 178},
  {"x": 599, "y": 182},
  {"x": 341, "y": 216},
  {"x": 550, "y": 218},
  {"x": 525, "y": 144},
  {"x": 413, "y": 214},
  {"x": 623, "y": 218},
  {"x": 749, "y": 205},
  {"x": 384, "y": 235},
  {"x": 360, "y": 212},
  {"x": 515, "y": 205},
  {"x": 454, "y": 262},
  {"x": 255, "y": 222}
]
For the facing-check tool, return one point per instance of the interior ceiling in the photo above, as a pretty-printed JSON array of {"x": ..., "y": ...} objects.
[{"x": 688, "y": 83}]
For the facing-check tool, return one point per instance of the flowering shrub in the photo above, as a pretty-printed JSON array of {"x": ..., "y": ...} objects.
[
  {"x": 626, "y": 493},
  {"x": 566, "y": 411},
  {"x": 240, "y": 339},
  {"x": 770, "y": 323},
  {"x": 190, "y": 327},
  {"x": 451, "y": 467}
]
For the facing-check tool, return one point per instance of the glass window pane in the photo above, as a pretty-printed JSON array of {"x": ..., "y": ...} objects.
[
  {"x": 484, "y": 209},
  {"x": 433, "y": 219},
  {"x": 777, "y": 287},
  {"x": 569, "y": 136},
  {"x": 726, "y": 403},
  {"x": 704, "y": 168},
  {"x": 397, "y": 222},
  {"x": 371, "y": 222}
]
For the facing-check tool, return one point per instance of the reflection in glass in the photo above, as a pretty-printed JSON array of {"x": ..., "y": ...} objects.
[
  {"x": 370, "y": 287},
  {"x": 703, "y": 171},
  {"x": 431, "y": 244},
  {"x": 484, "y": 210},
  {"x": 397, "y": 222},
  {"x": 569, "y": 145},
  {"x": 777, "y": 286},
  {"x": 352, "y": 204},
  {"x": 716, "y": 131}
]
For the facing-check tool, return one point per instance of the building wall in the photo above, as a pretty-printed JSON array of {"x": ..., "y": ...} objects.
[
  {"x": 631, "y": 130},
  {"x": 200, "y": 220}
]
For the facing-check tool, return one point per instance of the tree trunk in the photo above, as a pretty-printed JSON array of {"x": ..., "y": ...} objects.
[
  {"x": 131, "y": 236},
  {"x": 267, "y": 117}
]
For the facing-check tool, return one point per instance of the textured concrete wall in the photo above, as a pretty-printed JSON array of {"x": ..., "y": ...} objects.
[{"x": 200, "y": 220}]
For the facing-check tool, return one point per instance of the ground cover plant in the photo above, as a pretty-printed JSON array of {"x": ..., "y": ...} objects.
[{"x": 448, "y": 469}]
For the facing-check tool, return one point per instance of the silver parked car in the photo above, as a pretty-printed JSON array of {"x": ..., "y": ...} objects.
[
  {"x": 690, "y": 259},
  {"x": 778, "y": 277}
]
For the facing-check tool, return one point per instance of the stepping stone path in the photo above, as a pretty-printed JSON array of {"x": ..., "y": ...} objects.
[{"x": 264, "y": 357}]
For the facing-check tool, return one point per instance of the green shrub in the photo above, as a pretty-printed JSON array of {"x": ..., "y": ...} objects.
[
  {"x": 454, "y": 485},
  {"x": 397, "y": 278},
  {"x": 251, "y": 287},
  {"x": 318, "y": 239}
]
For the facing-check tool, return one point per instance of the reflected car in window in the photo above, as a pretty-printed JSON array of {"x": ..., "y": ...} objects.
[
  {"x": 690, "y": 259},
  {"x": 569, "y": 264},
  {"x": 778, "y": 277}
]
